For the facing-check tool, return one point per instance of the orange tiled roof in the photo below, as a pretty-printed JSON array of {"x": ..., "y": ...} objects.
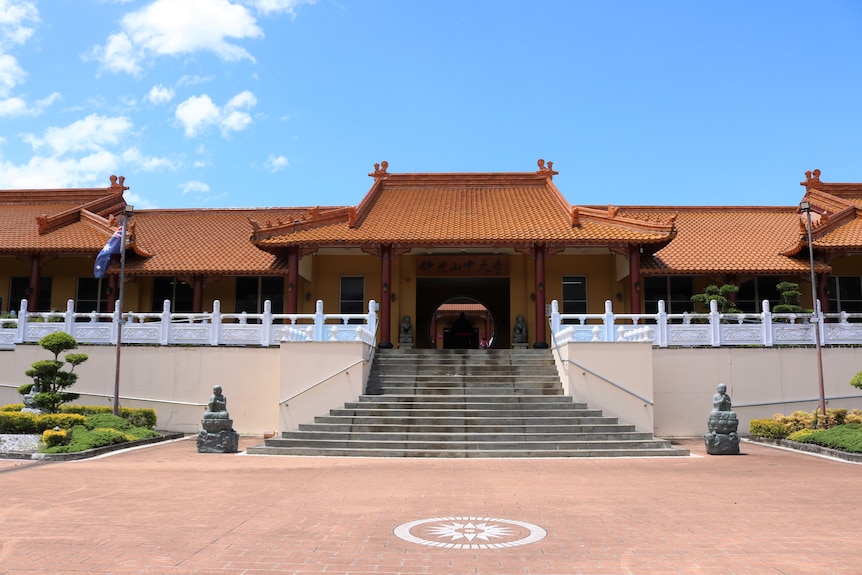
[
  {"x": 836, "y": 216},
  {"x": 464, "y": 209},
  {"x": 203, "y": 241},
  {"x": 76, "y": 220},
  {"x": 726, "y": 240}
]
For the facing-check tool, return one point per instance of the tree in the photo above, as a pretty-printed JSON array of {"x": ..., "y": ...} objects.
[
  {"x": 788, "y": 293},
  {"x": 52, "y": 379},
  {"x": 721, "y": 295}
]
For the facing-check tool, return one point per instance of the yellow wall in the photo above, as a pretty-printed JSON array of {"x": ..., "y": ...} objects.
[
  {"x": 328, "y": 271},
  {"x": 601, "y": 283}
]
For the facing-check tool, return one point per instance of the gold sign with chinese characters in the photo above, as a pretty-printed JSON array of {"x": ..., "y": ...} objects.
[{"x": 477, "y": 265}]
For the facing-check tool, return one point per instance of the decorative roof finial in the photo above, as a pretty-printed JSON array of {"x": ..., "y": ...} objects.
[
  {"x": 118, "y": 182},
  {"x": 546, "y": 171},
  {"x": 380, "y": 170},
  {"x": 812, "y": 179}
]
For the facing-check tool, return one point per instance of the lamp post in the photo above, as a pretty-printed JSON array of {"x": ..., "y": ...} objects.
[
  {"x": 128, "y": 211},
  {"x": 806, "y": 207}
]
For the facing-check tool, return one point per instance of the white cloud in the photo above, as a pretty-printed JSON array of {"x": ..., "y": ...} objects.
[
  {"x": 175, "y": 27},
  {"x": 11, "y": 74},
  {"x": 90, "y": 134},
  {"x": 15, "y": 15},
  {"x": 134, "y": 157},
  {"x": 278, "y": 6},
  {"x": 194, "y": 186},
  {"x": 80, "y": 154},
  {"x": 160, "y": 95},
  {"x": 18, "y": 106},
  {"x": 51, "y": 172},
  {"x": 276, "y": 163},
  {"x": 199, "y": 113}
]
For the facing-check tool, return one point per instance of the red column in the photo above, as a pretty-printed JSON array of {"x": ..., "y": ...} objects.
[
  {"x": 541, "y": 328},
  {"x": 385, "y": 296},
  {"x": 197, "y": 294},
  {"x": 823, "y": 292},
  {"x": 292, "y": 279},
  {"x": 35, "y": 270},
  {"x": 113, "y": 292},
  {"x": 635, "y": 279}
]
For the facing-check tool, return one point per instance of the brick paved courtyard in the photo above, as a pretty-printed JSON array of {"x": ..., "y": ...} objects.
[{"x": 167, "y": 509}]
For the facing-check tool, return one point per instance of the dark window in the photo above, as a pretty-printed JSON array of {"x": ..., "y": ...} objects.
[
  {"x": 352, "y": 299},
  {"x": 92, "y": 295},
  {"x": 676, "y": 291},
  {"x": 20, "y": 287},
  {"x": 845, "y": 294},
  {"x": 574, "y": 295},
  {"x": 252, "y": 292},
  {"x": 751, "y": 294},
  {"x": 170, "y": 288}
]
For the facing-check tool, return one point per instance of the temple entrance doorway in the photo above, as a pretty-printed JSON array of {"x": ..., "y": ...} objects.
[{"x": 484, "y": 303}]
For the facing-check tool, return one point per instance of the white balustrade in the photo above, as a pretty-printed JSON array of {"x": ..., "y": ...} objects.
[{"x": 206, "y": 328}]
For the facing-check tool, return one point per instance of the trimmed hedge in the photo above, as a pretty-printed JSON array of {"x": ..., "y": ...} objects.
[
  {"x": 12, "y": 420},
  {"x": 768, "y": 428},
  {"x": 18, "y": 422}
]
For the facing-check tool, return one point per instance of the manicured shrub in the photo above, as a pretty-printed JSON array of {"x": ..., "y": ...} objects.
[
  {"x": 769, "y": 428},
  {"x": 12, "y": 407},
  {"x": 17, "y": 422},
  {"x": 61, "y": 420},
  {"x": 53, "y": 438},
  {"x": 846, "y": 437},
  {"x": 107, "y": 420},
  {"x": 139, "y": 417},
  {"x": 85, "y": 409}
]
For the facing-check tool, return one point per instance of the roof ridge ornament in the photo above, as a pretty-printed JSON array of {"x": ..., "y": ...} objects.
[
  {"x": 380, "y": 170},
  {"x": 812, "y": 179},
  {"x": 118, "y": 182},
  {"x": 546, "y": 171}
]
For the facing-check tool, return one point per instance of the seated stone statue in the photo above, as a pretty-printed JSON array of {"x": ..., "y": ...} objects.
[
  {"x": 217, "y": 406},
  {"x": 519, "y": 335},
  {"x": 218, "y": 435},
  {"x": 721, "y": 401},
  {"x": 722, "y": 438}
]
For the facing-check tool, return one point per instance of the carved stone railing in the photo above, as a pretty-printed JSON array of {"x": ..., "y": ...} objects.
[
  {"x": 208, "y": 328},
  {"x": 707, "y": 329}
]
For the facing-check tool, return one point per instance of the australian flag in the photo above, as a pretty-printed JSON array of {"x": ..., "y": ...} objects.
[{"x": 103, "y": 260}]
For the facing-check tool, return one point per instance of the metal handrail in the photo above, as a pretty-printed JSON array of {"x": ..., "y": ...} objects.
[
  {"x": 324, "y": 380},
  {"x": 606, "y": 380}
]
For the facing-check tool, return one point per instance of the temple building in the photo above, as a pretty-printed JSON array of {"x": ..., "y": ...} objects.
[{"x": 497, "y": 247}]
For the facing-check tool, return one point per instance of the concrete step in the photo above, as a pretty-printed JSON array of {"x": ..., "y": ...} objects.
[
  {"x": 525, "y": 400},
  {"x": 453, "y": 437},
  {"x": 460, "y": 420},
  {"x": 523, "y": 452},
  {"x": 465, "y": 403},
  {"x": 600, "y": 428},
  {"x": 464, "y": 412}
]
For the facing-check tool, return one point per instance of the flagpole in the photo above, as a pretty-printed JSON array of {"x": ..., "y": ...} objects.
[{"x": 118, "y": 305}]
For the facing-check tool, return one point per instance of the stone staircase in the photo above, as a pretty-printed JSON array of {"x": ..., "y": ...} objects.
[{"x": 466, "y": 403}]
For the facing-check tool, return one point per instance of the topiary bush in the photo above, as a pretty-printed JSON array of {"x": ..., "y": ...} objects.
[
  {"x": 53, "y": 380},
  {"x": 769, "y": 428}
]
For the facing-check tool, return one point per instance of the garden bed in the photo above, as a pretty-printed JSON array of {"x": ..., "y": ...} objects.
[{"x": 808, "y": 447}]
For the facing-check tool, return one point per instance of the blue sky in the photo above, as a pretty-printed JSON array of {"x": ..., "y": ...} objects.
[{"x": 236, "y": 103}]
